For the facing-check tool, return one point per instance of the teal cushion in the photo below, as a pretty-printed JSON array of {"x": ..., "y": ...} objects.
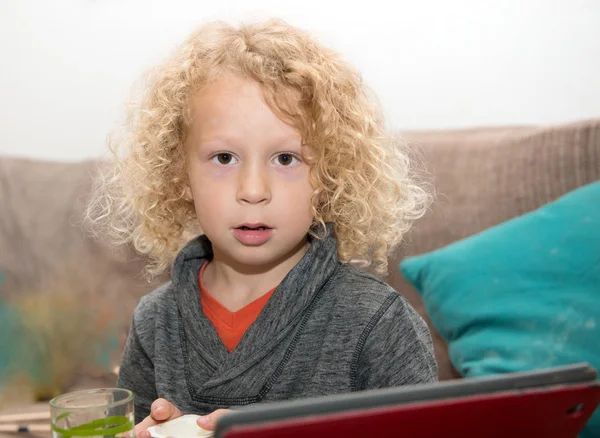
[
  {"x": 6, "y": 325},
  {"x": 10, "y": 331},
  {"x": 522, "y": 295}
]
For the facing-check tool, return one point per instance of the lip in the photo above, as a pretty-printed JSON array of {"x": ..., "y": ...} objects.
[
  {"x": 252, "y": 237},
  {"x": 253, "y": 225}
]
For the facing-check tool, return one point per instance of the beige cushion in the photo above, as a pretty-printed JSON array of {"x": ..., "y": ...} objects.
[
  {"x": 486, "y": 176},
  {"x": 42, "y": 242}
]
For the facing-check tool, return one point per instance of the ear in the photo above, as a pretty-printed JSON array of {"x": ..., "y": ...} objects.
[{"x": 187, "y": 194}]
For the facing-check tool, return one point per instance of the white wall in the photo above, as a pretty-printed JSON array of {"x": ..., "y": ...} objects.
[{"x": 68, "y": 65}]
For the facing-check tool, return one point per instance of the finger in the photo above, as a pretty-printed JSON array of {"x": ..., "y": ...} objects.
[
  {"x": 143, "y": 425},
  {"x": 160, "y": 411},
  {"x": 209, "y": 422},
  {"x": 163, "y": 410}
]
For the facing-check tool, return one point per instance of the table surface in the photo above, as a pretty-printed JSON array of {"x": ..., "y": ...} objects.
[{"x": 34, "y": 407}]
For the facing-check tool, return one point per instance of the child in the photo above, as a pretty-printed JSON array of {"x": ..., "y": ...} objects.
[{"x": 265, "y": 143}]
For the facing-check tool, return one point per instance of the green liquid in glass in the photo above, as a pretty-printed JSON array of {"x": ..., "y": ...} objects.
[{"x": 107, "y": 427}]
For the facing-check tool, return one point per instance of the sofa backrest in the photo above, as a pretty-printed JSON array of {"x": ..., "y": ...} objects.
[
  {"x": 43, "y": 248},
  {"x": 483, "y": 177}
]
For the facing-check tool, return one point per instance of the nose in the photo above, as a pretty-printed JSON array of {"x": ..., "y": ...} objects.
[{"x": 253, "y": 185}]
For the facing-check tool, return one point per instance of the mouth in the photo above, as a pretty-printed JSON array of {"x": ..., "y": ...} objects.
[
  {"x": 254, "y": 234},
  {"x": 253, "y": 227}
]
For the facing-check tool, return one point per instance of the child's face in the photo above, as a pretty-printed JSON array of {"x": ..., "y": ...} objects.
[{"x": 247, "y": 179}]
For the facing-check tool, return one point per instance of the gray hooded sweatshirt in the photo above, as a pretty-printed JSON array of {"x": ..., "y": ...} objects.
[{"x": 328, "y": 328}]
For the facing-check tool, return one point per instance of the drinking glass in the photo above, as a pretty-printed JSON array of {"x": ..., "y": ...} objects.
[{"x": 94, "y": 413}]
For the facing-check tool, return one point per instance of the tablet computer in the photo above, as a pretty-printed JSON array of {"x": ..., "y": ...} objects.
[{"x": 555, "y": 402}]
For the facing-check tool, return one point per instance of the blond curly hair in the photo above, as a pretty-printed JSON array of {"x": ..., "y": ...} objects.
[{"x": 361, "y": 177}]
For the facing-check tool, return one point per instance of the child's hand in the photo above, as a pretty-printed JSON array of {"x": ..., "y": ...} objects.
[
  {"x": 209, "y": 422},
  {"x": 160, "y": 411}
]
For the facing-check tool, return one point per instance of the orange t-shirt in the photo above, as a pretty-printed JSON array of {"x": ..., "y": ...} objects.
[{"x": 230, "y": 326}]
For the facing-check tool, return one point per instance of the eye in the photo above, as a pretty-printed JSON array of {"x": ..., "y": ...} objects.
[
  {"x": 224, "y": 158},
  {"x": 286, "y": 159}
]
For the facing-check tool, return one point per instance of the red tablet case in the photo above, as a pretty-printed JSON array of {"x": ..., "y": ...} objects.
[{"x": 556, "y": 411}]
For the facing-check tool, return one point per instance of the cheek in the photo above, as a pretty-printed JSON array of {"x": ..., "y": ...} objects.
[
  {"x": 207, "y": 181},
  {"x": 209, "y": 196},
  {"x": 298, "y": 198}
]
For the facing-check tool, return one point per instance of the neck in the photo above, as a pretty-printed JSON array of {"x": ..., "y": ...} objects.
[{"x": 235, "y": 285}]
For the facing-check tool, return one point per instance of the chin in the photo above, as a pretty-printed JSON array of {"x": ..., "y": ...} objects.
[
  {"x": 251, "y": 257},
  {"x": 261, "y": 256}
]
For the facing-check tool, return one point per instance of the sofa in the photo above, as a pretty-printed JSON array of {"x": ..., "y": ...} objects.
[{"x": 482, "y": 177}]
